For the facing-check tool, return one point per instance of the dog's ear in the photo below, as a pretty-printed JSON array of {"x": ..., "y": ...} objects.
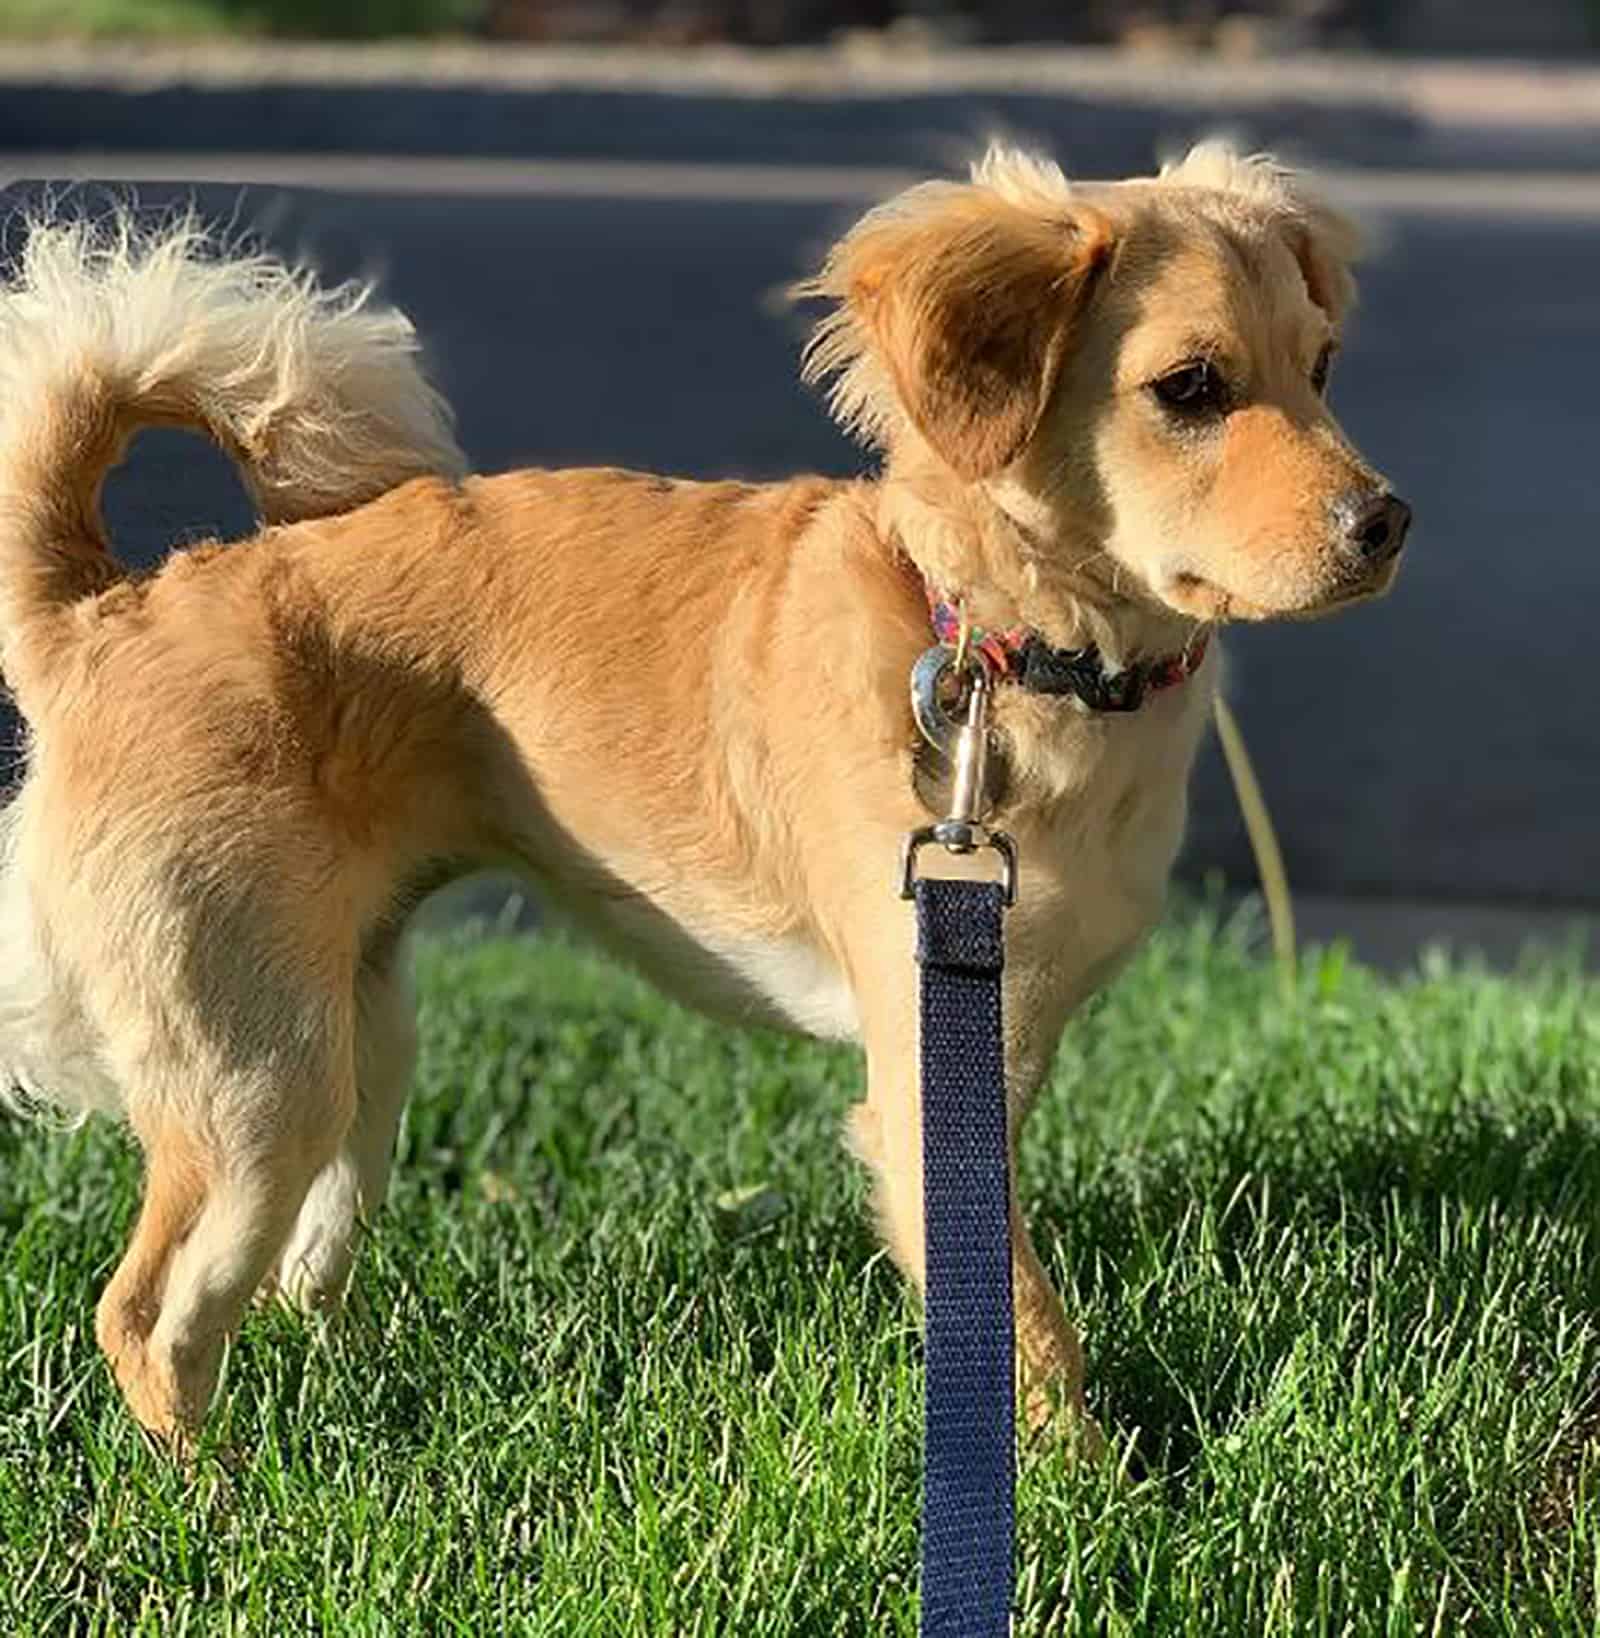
[
  {"x": 956, "y": 307},
  {"x": 1325, "y": 243}
]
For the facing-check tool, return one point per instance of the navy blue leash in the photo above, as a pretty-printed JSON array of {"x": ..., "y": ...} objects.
[
  {"x": 969, "y": 1416},
  {"x": 969, "y": 1450}
]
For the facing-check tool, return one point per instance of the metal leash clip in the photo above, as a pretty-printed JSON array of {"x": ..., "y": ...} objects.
[{"x": 967, "y": 744}]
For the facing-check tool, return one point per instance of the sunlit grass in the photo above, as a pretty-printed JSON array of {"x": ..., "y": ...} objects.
[{"x": 1334, "y": 1255}]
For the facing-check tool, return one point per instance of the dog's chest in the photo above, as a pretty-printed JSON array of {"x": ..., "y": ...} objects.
[
  {"x": 1098, "y": 845},
  {"x": 1094, "y": 871},
  {"x": 1097, "y": 842}
]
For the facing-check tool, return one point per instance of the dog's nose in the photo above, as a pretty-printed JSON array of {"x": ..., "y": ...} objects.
[{"x": 1375, "y": 525}]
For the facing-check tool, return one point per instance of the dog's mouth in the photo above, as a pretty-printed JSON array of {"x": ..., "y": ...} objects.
[{"x": 1189, "y": 592}]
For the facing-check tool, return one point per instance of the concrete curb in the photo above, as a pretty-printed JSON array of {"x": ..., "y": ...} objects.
[
  {"x": 1105, "y": 112},
  {"x": 1371, "y": 195}
]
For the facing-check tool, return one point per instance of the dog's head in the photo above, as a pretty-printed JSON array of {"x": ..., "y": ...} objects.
[{"x": 1136, "y": 367}]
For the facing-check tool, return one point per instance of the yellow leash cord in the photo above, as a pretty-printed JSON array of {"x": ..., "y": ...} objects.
[{"x": 1263, "y": 838}]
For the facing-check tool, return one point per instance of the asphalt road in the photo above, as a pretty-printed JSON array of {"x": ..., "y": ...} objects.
[{"x": 1442, "y": 746}]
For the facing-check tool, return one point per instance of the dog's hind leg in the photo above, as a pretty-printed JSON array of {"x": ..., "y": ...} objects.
[
  {"x": 221, "y": 1196},
  {"x": 175, "y": 1187},
  {"x": 314, "y": 1268}
]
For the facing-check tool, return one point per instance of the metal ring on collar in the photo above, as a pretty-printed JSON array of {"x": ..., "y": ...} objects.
[{"x": 936, "y": 717}]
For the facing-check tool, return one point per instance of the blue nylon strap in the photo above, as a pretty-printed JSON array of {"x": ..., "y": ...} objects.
[{"x": 969, "y": 1450}]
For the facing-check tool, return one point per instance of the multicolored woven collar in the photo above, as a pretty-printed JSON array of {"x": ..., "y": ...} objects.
[{"x": 1020, "y": 655}]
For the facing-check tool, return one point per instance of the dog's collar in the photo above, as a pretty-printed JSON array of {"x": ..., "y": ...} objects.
[{"x": 1020, "y": 655}]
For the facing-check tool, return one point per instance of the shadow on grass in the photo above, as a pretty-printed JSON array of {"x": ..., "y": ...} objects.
[{"x": 1379, "y": 1189}]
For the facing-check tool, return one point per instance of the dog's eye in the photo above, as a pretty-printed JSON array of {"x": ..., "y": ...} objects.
[
  {"x": 1195, "y": 389},
  {"x": 1319, "y": 371}
]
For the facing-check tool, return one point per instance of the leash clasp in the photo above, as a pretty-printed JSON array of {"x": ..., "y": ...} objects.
[{"x": 962, "y": 830}]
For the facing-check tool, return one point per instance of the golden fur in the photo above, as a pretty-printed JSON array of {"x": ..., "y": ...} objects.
[{"x": 680, "y": 708}]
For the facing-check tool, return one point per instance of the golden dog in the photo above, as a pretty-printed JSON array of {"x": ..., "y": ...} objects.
[{"x": 680, "y": 708}]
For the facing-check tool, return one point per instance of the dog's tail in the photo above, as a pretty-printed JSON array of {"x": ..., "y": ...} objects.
[{"x": 106, "y": 327}]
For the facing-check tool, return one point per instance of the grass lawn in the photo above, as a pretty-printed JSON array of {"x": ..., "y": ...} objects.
[
  {"x": 1334, "y": 1255},
  {"x": 162, "y": 19}
]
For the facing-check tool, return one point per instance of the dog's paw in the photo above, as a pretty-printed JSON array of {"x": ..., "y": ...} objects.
[{"x": 1053, "y": 1412}]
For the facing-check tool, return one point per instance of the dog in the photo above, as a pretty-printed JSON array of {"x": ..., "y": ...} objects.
[{"x": 680, "y": 708}]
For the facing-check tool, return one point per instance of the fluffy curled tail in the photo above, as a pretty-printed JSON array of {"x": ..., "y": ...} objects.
[{"x": 106, "y": 327}]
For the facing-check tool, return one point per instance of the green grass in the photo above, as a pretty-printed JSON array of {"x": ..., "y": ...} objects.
[
  {"x": 161, "y": 19},
  {"x": 1334, "y": 1255}
]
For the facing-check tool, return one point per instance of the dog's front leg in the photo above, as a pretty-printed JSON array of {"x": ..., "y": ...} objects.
[
  {"x": 886, "y": 1133},
  {"x": 1049, "y": 1352}
]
